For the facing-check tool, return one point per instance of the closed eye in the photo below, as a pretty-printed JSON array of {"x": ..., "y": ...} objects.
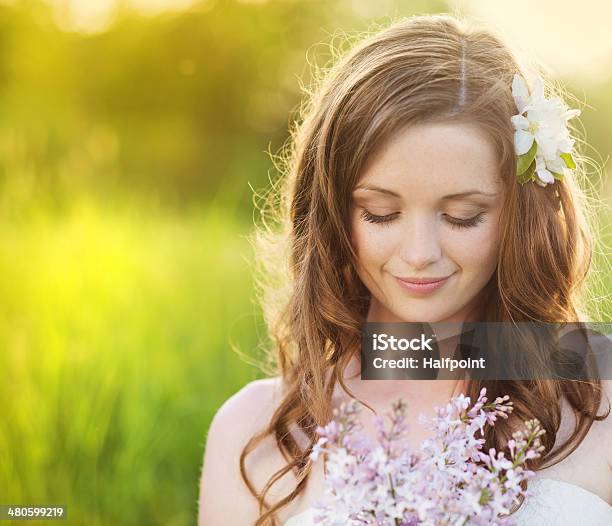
[
  {"x": 465, "y": 223},
  {"x": 453, "y": 221},
  {"x": 372, "y": 218}
]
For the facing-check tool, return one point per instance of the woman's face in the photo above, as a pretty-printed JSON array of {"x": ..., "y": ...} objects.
[{"x": 427, "y": 205}]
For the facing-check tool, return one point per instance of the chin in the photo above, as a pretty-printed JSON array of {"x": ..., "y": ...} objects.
[{"x": 424, "y": 315}]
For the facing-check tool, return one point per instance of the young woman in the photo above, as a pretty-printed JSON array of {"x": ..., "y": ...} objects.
[{"x": 404, "y": 170}]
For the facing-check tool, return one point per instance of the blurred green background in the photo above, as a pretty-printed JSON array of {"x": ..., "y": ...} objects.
[{"x": 131, "y": 136}]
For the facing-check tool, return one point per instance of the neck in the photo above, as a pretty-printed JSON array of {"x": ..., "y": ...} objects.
[
  {"x": 377, "y": 392},
  {"x": 381, "y": 392}
]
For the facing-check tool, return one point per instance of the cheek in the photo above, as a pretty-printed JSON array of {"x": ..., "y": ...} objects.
[
  {"x": 476, "y": 249},
  {"x": 374, "y": 244}
]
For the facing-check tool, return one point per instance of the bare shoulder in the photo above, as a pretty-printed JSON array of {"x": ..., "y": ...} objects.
[
  {"x": 248, "y": 408},
  {"x": 590, "y": 464},
  {"x": 601, "y": 430},
  {"x": 224, "y": 497},
  {"x": 606, "y": 424},
  {"x": 600, "y": 433}
]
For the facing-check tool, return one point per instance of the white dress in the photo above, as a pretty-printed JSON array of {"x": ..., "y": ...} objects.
[{"x": 553, "y": 503}]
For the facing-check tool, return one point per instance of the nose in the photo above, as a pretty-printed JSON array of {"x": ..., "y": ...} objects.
[{"x": 420, "y": 245}]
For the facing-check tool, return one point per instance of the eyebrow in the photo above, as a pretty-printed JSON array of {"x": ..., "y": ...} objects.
[{"x": 386, "y": 191}]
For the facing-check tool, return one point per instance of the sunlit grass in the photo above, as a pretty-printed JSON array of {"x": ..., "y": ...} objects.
[{"x": 116, "y": 331}]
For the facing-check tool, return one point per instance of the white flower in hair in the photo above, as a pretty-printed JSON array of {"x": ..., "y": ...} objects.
[{"x": 541, "y": 139}]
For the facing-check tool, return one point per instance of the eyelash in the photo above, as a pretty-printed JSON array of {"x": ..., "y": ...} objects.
[{"x": 455, "y": 223}]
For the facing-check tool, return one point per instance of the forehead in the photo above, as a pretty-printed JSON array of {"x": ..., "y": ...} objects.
[{"x": 431, "y": 160}]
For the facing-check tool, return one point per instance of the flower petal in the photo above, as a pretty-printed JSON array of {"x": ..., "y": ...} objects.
[
  {"x": 520, "y": 122},
  {"x": 565, "y": 145},
  {"x": 522, "y": 141},
  {"x": 545, "y": 176},
  {"x": 556, "y": 165},
  {"x": 520, "y": 92}
]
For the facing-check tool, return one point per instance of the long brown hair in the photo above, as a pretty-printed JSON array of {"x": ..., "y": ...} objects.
[{"x": 422, "y": 68}]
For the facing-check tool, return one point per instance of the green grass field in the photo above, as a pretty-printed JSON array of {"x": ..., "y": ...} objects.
[{"x": 117, "y": 330}]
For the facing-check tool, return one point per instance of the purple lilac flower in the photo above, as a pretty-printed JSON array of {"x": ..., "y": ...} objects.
[{"x": 448, "y": 480}]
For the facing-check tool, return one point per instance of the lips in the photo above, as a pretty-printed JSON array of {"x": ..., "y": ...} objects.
[
  {"x": 424, "y": 280},
  {"x": 422, "y": 286}
]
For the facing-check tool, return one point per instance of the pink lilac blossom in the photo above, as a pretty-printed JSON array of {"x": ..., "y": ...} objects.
[{"x": 449, "y": 480}]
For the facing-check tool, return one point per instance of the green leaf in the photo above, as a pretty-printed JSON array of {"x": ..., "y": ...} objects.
[
  {"x": 524, "y": 161},
  {"x": 528, "y": 174},
  {"x": 569, "y": 160},
  {"x": 485, "y": 496}
]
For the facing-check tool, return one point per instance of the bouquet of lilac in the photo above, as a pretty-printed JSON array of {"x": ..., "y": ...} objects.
[{"x": 449, "y": 480}]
